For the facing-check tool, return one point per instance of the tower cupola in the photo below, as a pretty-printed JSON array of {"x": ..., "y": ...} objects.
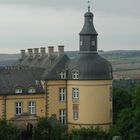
[{"x": 88, "y": 35}]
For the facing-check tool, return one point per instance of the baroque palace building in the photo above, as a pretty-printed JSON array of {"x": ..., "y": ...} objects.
[{"x": 77, "y": 92}]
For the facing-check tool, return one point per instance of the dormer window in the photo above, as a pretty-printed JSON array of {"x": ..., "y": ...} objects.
[
  {"x": 93, "y": 43},
  {"x": 62, "y": 75},
  {"x": 18, "y": 90},
  {"x": 31, "y": 90},
  {"x": 75, "y": 75}
]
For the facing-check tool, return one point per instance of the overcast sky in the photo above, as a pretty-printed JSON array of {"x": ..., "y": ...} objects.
[{"x": 41, "y": 23}]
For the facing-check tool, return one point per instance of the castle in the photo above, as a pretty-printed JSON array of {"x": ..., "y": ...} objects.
[{"x": 77, "y": 92}]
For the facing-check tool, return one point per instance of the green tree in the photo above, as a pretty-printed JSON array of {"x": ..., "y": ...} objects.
[
  {"x": 121, "y": 100},
  {"x": 47, "y": 129},
  {"x": 127, "y": 123},
  {"x": 8, "y": 131}
]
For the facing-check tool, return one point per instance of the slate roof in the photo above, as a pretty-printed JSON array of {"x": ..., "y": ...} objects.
[
  {"x": 90, "y": 67},
  {"x": 10, "y": 79},
  {"x": 58, "y": 66},
  {"x": 88, "y": 28},
  {"x": 38, "y": 62}
]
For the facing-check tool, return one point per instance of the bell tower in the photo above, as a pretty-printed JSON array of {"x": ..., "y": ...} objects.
[{"x": 88, "y": 35}]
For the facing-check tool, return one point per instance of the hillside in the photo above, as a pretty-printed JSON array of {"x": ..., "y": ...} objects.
[{"x": 126, "y": 64}]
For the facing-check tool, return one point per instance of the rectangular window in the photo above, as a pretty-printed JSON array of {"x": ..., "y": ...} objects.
[
  {"x": 81, "y": 43},
  {"x": 62, "y": 116},
  {"x": 75, "y": 93},
  {"x": 75, "y": 111},
  {"x": 75, "y": 75},
  {"x": 62, "y": 75},
  {"x": 93, "y": 43},
  {"x": 62, "y": 94},
  {"x": 18, "y": 108},
  {"x": 32, "y": 107}
]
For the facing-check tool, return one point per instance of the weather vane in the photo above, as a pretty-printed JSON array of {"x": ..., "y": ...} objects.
[{"x": 88, "y": 5}]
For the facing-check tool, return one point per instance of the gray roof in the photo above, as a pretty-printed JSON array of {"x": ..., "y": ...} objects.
[
  {"x": 37, "y": 62},
  {"x": 88, "y": 28},
  {"x": 90, "y": 67},
  {"x": 59, "y": 66},
  {"x": 10, "y": 79}
]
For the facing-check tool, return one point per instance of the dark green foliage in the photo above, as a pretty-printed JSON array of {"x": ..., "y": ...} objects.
[
  {"x": 127, "y": 122},
  {"x": 121, "y": 100},
  {"x": 8, "y": 131},
  {"x": 47, "y": 129},
  {"x": 89, "y": 134}
]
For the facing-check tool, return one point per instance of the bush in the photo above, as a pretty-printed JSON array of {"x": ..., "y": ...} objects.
[{"x": 8, "y": 131}]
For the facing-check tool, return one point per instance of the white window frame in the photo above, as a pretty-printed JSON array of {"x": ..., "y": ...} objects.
[
  {"x": 75, "y": 75},
  {"x": 62, "y": 94},
  {"x": 18, "y": 108},
  {"x": 32, "y": 107},
  {"x": 62, "y": 75},
  {"x": 75, "y": 93},
  {"x": 18, "y": 90},
  {"x": 31, "y": 90},
  {"x": 62, "y": 116}
]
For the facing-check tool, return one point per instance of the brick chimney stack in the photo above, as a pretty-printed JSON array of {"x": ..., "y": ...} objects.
[
  {"x": 60, "y": 50},
  {"x": 50, "y": 50},
  {"x": 43, "y": 51}
]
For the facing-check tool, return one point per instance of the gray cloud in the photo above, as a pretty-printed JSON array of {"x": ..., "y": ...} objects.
[
  {"x": 35, "y": 23},
  {"x": 121, "y": 7}
]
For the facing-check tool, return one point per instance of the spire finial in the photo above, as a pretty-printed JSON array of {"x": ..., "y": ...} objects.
[{"x": 88, "y": 5}]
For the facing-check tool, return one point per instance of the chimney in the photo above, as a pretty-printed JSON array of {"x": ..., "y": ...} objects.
[
  {"x": 43, "y": 51},
  {"x": 30, "y": 53},
  {"x": 50, "y": 50},
  {"x": 60, "y": 50},
  {"x": 23, "y": 53},
  {"x": 36, "y": 52}
]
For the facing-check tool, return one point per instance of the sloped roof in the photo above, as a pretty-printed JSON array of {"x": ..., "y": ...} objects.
[
  {"x": 10, "y": 79},
  {"x": 58, "y": 66},
  {"x": 90, "y": 67}
]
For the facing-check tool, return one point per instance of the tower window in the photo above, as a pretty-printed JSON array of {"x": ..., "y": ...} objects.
[
  {"x": 93, "y": 43},
  {"x": 75, "y": 93},
  {"x": 75, "y": 75},
  {"x": 81, "y": 43},
  {"x": 32, "y": 107},
  {"x": 62, "y": 116},
  {"x": 18, "y": 108},
  {"x": 62, "y": 94},
  {"x": 62, "y": 75}
]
